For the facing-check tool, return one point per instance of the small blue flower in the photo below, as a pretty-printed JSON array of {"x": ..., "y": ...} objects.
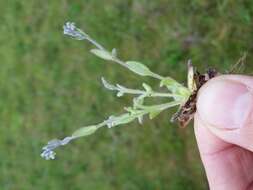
[
  {"x": 48, "y": 150},
  {"x": 70, "y": 29}
]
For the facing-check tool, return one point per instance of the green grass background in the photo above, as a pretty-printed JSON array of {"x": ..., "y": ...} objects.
[{"x": 50, "y": 85}]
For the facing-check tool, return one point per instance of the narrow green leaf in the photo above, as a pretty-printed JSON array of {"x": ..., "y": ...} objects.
[
  {"x": 153, "y": 114},
  {"x": 85, "y": 131},
  {"x": 123, "y": 119},
  {"x": 147, "y": 87},
  {"x": 171, "y": 85},
  {"x": 138, "y": 68},
  {"x": 107, "y": 85},
  {"x": 190, "y": 79},
  {"x": 118, "y": 120},
  {"x": 138, "y": 101},
  {"x": 168, "y": 82},
  {"x": 175, "y": 87},
  {"x": 114, "y": 52},
  {"x": 102, "y": 54}
]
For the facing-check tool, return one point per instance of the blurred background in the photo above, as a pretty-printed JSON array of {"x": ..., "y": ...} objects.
[{"x": 50, "y": 86}]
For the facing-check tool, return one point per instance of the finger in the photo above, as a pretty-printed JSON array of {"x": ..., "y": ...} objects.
[
  {"x": 225, "y": 105},
  {"x": 227, "y": 166}
]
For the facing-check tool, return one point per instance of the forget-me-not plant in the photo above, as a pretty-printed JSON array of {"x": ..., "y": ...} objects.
[{"x": 177, "y": 94}]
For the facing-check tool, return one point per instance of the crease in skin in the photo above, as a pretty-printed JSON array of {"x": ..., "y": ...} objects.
[
  {"x": 212, "y": 143},
  {"x": 231, "y": 135},
  {"x": 250, "y": 186},
  {"x": 239, "y": 158},
  {"x": 217, "y": 131},
  {"x": 221, "y": 151},
  {"x": 250, "y": 89}
]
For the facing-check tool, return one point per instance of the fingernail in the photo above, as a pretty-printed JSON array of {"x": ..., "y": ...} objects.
[{"x": 224, "y": 103}]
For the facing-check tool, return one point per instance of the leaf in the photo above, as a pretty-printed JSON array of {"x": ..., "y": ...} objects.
[
  {"x": 102, "y": 54},
  {"x": 118, "y": 120},
  {"x": 147, "y": 87},
  {"x": 138, "y": 101},
  {"x": 108, "y": 85},
  {"x": 175, "y": 87},
  {"x": 119, "y": 94},
  {"x": 130, "y": 110},
  {"x": 114, "y": 52},
  {"x": 168, "y": 82},
  {"x": 120, "y": 87},
  {"x": 190, "y": 79},
  {"x": 138, "y": 68},
  {"x": 140, "y": 119},
  {"x": 153, "y": 114},
  {"x": 124, "y": 118},
  {"x": 85, "y": 131}
]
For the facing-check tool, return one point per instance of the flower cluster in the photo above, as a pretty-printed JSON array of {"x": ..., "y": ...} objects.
[
  {"x": 48, "y": 150},
  {"x": 70, "y": 29}
]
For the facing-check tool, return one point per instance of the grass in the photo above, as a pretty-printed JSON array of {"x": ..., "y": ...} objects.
[{"x": 50, "y": 85}]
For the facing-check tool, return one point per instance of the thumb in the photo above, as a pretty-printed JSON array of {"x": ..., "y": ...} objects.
[{"x": 225, "y": 105}]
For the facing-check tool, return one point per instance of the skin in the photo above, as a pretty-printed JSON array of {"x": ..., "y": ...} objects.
[{"x": 224, "y": 130}]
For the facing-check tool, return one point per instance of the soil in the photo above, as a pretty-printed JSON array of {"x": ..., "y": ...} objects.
[{"x": 186, "y": 112}]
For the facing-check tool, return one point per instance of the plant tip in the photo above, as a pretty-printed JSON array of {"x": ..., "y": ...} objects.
[{"x": 70, "y": 29}]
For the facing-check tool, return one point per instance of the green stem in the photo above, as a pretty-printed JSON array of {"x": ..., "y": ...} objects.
[
  {"x": 151, "y": 94},
  {"x": 161, "y": 106}
]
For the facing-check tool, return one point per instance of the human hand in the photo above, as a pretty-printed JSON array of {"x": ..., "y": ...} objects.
[{"x": 224, "y": 131}]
